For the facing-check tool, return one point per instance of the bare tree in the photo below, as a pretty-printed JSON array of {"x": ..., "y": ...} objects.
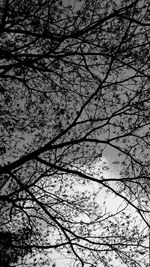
[{"x": 74, "y": 83}]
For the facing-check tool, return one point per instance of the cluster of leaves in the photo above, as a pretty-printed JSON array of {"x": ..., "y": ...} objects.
[
  {"x": 9, "y": 246},
  {"x": 74, "y": 86}
]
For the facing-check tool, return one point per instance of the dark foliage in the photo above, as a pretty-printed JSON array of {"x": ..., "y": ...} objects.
[{"x": 74, "y": 88}]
